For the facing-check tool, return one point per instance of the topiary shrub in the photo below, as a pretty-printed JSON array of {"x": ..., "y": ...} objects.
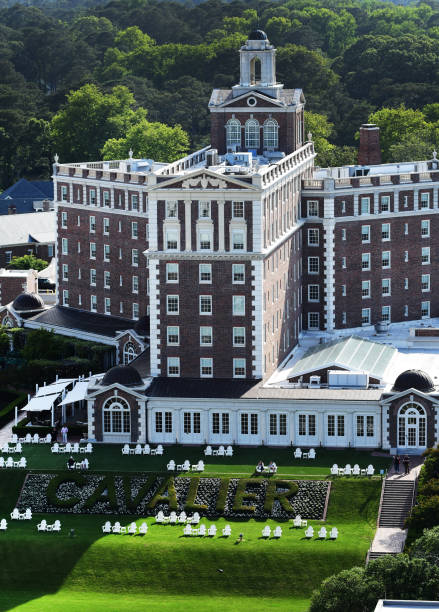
[
  {"x": 55, "y": 483},
  {"x": 190, "y": 505},
  {"x": 273, "y": 494},
  {"x": 243, "y": 495}
]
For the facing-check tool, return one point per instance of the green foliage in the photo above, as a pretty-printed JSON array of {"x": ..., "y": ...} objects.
[
  {"x": 8, "y": 411},
  {"x": 105, "y": 493},
  {"x": 222, "y": 495},
  {"x": 166, "y": 494},
  {"x": 243, "y": 495},
  {"x": 272, "y": 494},
  {"x": 190, "y": 505},
  {"x": 133, "y": 502},
  {"x": 427, "y": 546},
  {"x": 27, "y": 262},
  {"x": 4, "y": 342},
  {"x": 56, "y": 482},
  {"x": 397, "y": 124}
]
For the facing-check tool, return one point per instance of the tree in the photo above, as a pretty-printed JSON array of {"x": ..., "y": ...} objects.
[
  {"x": 396, "y": 124},
  {"x": 427, "y": 546},
  {"x": 328, "y": 154},
  {"x": 412, "y": 147},
  {"x": 151, "y": 140},
  {"x": 27, "y": 262},
  {"x": 81, "y": 128}
]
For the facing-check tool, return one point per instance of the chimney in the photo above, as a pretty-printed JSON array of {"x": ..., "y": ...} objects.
[
  {"x": 46, "y": 205},
  {"x": 12, "y": 210},
  {"x": 369, "y": 152}
]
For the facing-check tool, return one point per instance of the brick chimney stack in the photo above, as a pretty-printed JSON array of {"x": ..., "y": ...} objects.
[{"x": 369, "y": 152}]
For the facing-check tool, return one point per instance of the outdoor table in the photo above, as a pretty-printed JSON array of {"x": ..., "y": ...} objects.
[
  {"x": 49, "y": 527},
  {"x": 123, "y": 530},
  {"x": 132, "y": 451},
  {"x": 153, "y": 451}
]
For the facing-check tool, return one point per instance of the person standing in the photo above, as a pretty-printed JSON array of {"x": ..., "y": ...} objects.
[
  {"x": 396, "y": 463},
  {"x": 64, "y": 432},
  {"x": 406, "y": 463}
]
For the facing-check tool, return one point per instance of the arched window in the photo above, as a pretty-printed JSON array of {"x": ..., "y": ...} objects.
[
  {"x": 233, "y": 133},
  {"x": 116, "y": 414},
  {"x": 129, "y": 353},
  {"x": 411, "y": 426},
  {"x": 271, "y": 139},
  {"x": 252, "y": 134},
  {"x": 255, "y": 71},
  {"x": 7, "y": 322}
]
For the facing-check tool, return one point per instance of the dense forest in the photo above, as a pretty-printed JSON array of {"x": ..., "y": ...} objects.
[{"x": 86, "y": 79}]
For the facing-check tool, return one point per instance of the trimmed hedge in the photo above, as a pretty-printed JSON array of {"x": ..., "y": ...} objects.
[
  {"x": 54, "y": 485},
  {"x": 21, "y": 428}
]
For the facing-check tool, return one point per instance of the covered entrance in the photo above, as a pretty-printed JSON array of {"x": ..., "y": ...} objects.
[{"x": 412, "y": 428}]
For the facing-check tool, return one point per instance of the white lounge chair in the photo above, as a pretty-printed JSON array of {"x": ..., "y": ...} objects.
[
  {"x": 125, "y": 449},
  {"x": 75, "y": 447},
  {"x": 198, "y": 467},
  {"x": 266, "y": 532},
  {"x": 18, "y": 448},
  {"x": 208, "y": 451},
  {"x": 3, "y": 525},
  {"x": 47, "y": 439},
  {"x": 160, "y": 517},
  {"x": 347, "y": 470},
  {"x": 15, "y": 515},
  {"x": 322, "y": 533},
  {"x": 28, "y": 514},
  {"x": 229, "y": 451},
  {"x": 298, "y": 453},
  {"x": 171, "y": 466},
  {"x": 370, "y": 470},
  {"x": 9, "y": 462},
  {"x": 138, "y": 450},
  {"x": 13, "y": 439},
  {"x": 211, "y": 531},
  {"x": 300, "y": 522},
  {"x": 221, "y": 451},
  {"x": 68, "y": 448},
  {"x": 5, "y": 448},
  {"x": 334, "y": 470},
  {"x": 159, "y": 450},
  {"x": 28, "y": 438},
  {"x": 106, "y": 528},
  {"x": 173, "y": 518},
  {"x": 277, "y": 533},
  {"x": 356, "y": 470},
  {"x": 309, "y": 533},
  {"x": 132, "y": 529},
  {"x": 147, "y": 449},
  {"x": 182, "y": 517},
  {"x": 116, "y": 527},
  {"x": 35, "y": 439},
  {"x": 187, "y": 531},
  {"x": 22, "y": 463},
  {"x": 42, "y": 526},
  {"x": 85, "y": 464},
  {"x": 202, "y": 530},
  {"x": 55, "y": 448},
  {"x": 312, "y": 453},
  {"x": 143, "y": 529},
  {"x": 333, "y": 534},
  {"x": 194, "y": 519},
  {"x": 56, "y": 526},
  {"x": 227, "y": 531},
  {"x": 2, "y": 462}
]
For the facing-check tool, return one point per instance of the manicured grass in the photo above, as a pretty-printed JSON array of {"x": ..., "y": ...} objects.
[
  {"x": 107, "y": 457},
  {"x": 163, "y": 570}
]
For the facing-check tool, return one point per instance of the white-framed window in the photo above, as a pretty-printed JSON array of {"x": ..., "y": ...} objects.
[
  {"x": 343, "y": 290},
  {"x": 425, "y": 310},
  {"x": 64, "y": 247},
  {"x": 425, "y": 228},
  {"x": 313, "y": 237},
  {"x": 406, "y": 229},
  {"x": 343, "y": 317},
  {"x": 385, "y": 203},
  {"x": 107, "y": 305},
  {"x": 307, "y": 425},
  {"x": 425, "y": 200},
  {"x": 343, "y": 234},
  {"x": 313, "y": 293},
  {"x": 365, "y": 316},
  {"x": 365, "y": 233},
  {"x": 271, "y": 129},
  {"x": 312, "y": 208},
  {"x": 205, "y": 273},
  {"x": 406, "y": 310},
  {"x": 225, "y": 423},
  {"x": 129, "y": 352},
  {"x": 206, "y": 336},
  {"x": 92, "y": 197},
  {"x": 204, "y": 210},
  {"x": 116, "y": 416},
  {"x": 134, "y": 201},
  {"x": 92, "y": 250},
  {"x": 106, "y": 279},
  {"x": 64, "y": 220},
  {"x": 313, "y": 320},
  {"x": 159, "y": 422},
  {"x": 365, "y": 206},
  {"x": 365, "y": 426},
  {"x": 64, "y": 193},
  {"x": 204, "y": 239},
  {"x": 134, "y": 229},
  {"x": 406, "y": 283},
  {"x": 385, "y": 259},
  {"x": 313, "y": 265},
  {"x": 385, "y": 231},
  {"x": 238, "y": 305},
  {"x": 251, "y": 134},
  {"x": 365, "y": 261},
  {"x": 239, "y": 368},
  {"x": 238, "y": 274},
  {"x": 172, "y": 304},
  {"x": 172, "y": 273},
  {"x": 93, "y": 303},
  {"x": 65, "y": 272},
  {"x": 206, "y": 367},
  {"x": 239, "y": 336},
  {"x": 253, "y": 419},
  {"x": 135, "y": 311},
  {"x": 173, "y": 366},
  {"x": 237, "y": 210},
  {"x": 134, "y": 257},
  {"x": 425, "y": 255},
  {"x": 233, "y": 134},
  {"x": 93, "y": 277},
  {"x": 171, "y": 209},
  {"x": 135, "y": 284},
  {"x": 386, "y": 286},
  {"x": 106, "y": 225},
  {"x": 65, "y": 297},
  {"x": 405, "y": 201},
  {"x": 173, "y": 335},
  {"x": 385, "y": 314},
  {"x": 238, "y": 240},
  {"x": 343, "y": 262},
  {"x": 365, "y": 289},
  {"x": 106, "y": 198},
  {"x": 425, "y": 282},
  {"x": 406, "y": 256},
  {"x": 343, "y": 207},
  {"x": 106, "y": 252},
  {"x": 205, "y": 304}
]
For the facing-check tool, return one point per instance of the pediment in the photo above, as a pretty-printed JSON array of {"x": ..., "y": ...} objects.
[
  {"x": 262, "y": 100},
  {"x": 203, "y": 180},
  {"x": 408, "y": 393},
  {"x": 127, "y": 390}
]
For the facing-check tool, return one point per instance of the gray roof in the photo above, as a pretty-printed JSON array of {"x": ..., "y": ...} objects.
[
  {"x": 352, "y": 353},
  {"x": 28, "y": 227},
  {"x": 287, "y": 97}
]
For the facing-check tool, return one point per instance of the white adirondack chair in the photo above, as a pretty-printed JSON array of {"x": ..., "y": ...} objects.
[
  {"x": 15, "y": 515},
  {"x": 143, "y": 529},
  {"x": 28, "y": 438},
  {"x": 69, "y": 448},
  {"x": 202, "y": 530},
  {"x": 171, "y": 466},
  {"x": 182, "y": 517},
  {"x": 5, "y": 448},
  {"x": 229, "y": 451},
  {"x": 277, "y": 533},
  {"x": 47, "y": 439},
  {"x": 56, "y": 526},
  {"x": 347, "y": 470},
  {"x": 370, "y": 470},
  {"x": 173, "y": 518},
  {"x": 198, "y": 467},
  {"x": 208, "y": 451},
  {"x": 312, "y": 453},
  {"x": 298, "y": 453},
  {"x": 2, "y": 462},
  {"x": 160, "y": 517},
  {"x": 334, "y": 470},
  {"x": 116, "y": 527},
  {"x": 147, "y": 449},
  {"x": 125, "y": 449},
  {"x": 159, "y": 450},
  {"x": 28, "y": 514},
  {"x": 211, "y": 531},
  {"x": 13, "y": 439},
  {"x": 42, "y": 526},
  {"x": 106, "y": 528},
  {"x": 187, "y": 531},
  {"x": 138, "y": 450},
  {"x": 75, "y": 447},
  {"x": 297, "y": 522},
  {"x": 227, "y": 531},
  {"x": 132, "y": 529},
  {"x": 333, "y": 534},
  {"x": 22, "y": 463},
  {"x": 55, "y": 448},
  {"x": 3, "y": 525},
  {"x": 35, "y": 439},
  {"x": 356, "y": 470},
  {"x": 309, "y": 533},
  {"x": 266, "y": 532},
  {"x": 322, "y": 533},
  {"x": 89, "y": 447},
  {"x": 85, "y": 464},
  {"x": 221, "y": 451},
  {"x": 195, "y": 519},
  {"x": 18, "y": 447},
  {"x": 9, "y": 462}
]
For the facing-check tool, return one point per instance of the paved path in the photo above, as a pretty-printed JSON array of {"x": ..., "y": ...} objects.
[{"x": 6, "y": 432}]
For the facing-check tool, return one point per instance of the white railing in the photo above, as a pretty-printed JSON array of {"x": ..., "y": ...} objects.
[
  {"x": 342, "y": 182},
  {"x": 185, "y": 163},
  {"x": 312, "y": 184},
  {"x": 273, "y": 172},
  {"x": 424, "y": 176},
  {"x": 365, "y": 180},
  {"x": 405, "y": 178},
  {"x": 385, "y": 178}
]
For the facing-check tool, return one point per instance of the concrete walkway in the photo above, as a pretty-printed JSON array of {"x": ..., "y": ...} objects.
[{"x": 6, "y": 432}]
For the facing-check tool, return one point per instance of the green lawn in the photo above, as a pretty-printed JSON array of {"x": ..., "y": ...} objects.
[{"x": 165, "y": 571}]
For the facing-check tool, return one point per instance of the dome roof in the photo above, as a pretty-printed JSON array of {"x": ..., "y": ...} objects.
[
  {"x": 257, "y": 35},
  {"x": 414, "y": 379},
  {"x": 142, "y": 326},
  {"x": 27, "y": 301},
  {"x": 125, "y": 375}
]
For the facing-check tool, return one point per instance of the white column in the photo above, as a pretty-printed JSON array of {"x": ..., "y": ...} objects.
[
  {"x": 98, "y": 195},
  {"x": 355, "y": 204},
  {"x": 328, "y": 229},
  {"x": 187, "y": 225},
  {"x": 221, "y": 243},
  {"x": 416, "y": 199},
  {"x": 153, "y": 230},
  {"x": 376, "y": 209}
]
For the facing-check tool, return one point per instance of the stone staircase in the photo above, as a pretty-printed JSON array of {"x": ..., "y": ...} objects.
[
  {"x": 397, "y": 502},
  {"x": 371, "y": 556}
]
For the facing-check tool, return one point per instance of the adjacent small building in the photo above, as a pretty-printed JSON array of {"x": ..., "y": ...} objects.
[
  {"x": 27, "y": 234},
  {"x": 26, "y": 197}
]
